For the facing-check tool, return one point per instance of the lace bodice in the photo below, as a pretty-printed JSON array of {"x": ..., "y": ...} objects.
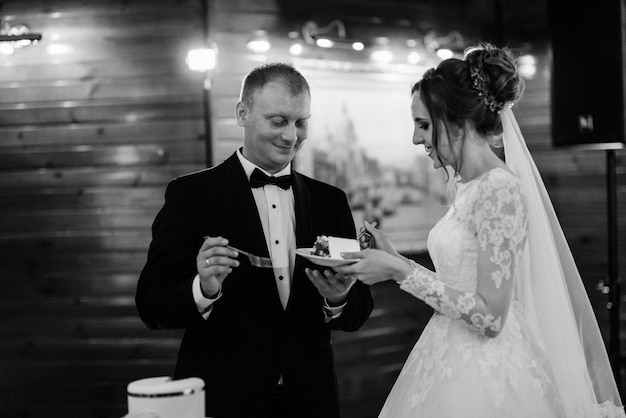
[{"x": 475, "y": 248}]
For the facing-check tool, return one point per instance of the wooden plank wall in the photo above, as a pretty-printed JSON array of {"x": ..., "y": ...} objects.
[{"x": 88, "y": 141}]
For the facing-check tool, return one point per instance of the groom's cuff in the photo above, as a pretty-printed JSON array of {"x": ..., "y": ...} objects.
[
  {"x": 332, "y": 312},
  {"x": 203, "y": 304}
]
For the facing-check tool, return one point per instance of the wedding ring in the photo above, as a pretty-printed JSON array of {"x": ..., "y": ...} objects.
[{"x": 208, "y": 263}]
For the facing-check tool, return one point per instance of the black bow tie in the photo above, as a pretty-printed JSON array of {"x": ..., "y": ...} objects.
[{"x": 260, "y": 179}]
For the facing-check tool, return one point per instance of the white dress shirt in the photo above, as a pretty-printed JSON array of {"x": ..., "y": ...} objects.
[{"x": 278, "y": 217}]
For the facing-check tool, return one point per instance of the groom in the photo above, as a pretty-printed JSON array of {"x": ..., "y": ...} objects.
[{"x": 259, "y": 337}]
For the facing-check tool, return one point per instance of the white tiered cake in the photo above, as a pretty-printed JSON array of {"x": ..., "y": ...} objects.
[{"x": 162, "y": 397}]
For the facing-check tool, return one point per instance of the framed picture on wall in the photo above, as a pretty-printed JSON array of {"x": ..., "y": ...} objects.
[{"x": 360, "y": 139}]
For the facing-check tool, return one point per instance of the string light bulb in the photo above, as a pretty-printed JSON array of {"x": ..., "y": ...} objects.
[{"x": 202, "y": 59}]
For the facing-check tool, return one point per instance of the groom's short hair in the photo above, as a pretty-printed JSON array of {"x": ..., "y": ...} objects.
[{"x": 260, "y": 76}]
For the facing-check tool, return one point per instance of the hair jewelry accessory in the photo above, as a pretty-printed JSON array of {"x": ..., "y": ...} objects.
[{"x": 478, "y": 81}]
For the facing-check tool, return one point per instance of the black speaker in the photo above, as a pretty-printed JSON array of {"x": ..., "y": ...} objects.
[{"x": 588, "y": 73}]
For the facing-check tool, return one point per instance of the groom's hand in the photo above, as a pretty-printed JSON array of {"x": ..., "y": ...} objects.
[
  {"x": 334, "y": 287},
  {"x": 214, "y": 262}
]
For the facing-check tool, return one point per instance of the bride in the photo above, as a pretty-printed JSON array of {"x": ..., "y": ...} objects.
[{"x": 513, "y": 334}]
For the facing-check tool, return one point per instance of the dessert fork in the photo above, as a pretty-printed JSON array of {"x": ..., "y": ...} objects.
[
  {"x": 255, "y": 260},
  {"x": 364, "y": 231}
]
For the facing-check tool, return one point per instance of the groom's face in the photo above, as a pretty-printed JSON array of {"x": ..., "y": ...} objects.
[{"x": 275, "y": 125}]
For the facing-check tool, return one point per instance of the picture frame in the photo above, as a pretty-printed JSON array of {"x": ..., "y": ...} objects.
[{"x": 360, "y": 139}]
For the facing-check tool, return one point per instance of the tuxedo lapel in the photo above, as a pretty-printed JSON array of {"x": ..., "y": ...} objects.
[
  {"x": 250, "y": 234},
  {"x": 303, "y": 212},
  {"x": 304, "y": 230},
  {"x": 248, "y": 214}
]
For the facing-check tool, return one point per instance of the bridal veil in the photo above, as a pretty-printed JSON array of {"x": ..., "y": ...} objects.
[{"x": 553, "y": 298}]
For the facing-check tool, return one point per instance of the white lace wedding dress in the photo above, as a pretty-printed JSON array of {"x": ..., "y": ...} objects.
[{"x": 455, "y": 370}]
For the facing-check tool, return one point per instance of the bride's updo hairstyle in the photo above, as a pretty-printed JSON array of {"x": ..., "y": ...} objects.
[{"x": 471, "y": 91}]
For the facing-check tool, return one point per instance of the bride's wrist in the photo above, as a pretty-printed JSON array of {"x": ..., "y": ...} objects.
[{"x": 402, "y": 271}]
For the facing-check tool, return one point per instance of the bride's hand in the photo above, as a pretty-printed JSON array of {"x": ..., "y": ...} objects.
[
  {"x": 374, "y": 266},
  {"x": 376, "y": 239}
]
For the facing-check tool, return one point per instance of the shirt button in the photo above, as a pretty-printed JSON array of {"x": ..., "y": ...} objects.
[
  {"x": 280, "y": 277},
  {"x": 276, "y": 242},
  {"x": 274, "y": 206}
]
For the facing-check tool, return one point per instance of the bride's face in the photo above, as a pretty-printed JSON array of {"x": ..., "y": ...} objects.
[{"x": 423, "y": 133}]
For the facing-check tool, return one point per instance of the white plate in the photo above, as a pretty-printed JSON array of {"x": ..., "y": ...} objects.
[{"x": 323, "y": 261}]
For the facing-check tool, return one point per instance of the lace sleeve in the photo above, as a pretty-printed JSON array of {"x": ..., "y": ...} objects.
[{"x": 500, "y": 220}]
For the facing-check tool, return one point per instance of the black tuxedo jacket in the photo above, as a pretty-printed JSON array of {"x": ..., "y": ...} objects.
[{"x": 249, "y": 340}]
